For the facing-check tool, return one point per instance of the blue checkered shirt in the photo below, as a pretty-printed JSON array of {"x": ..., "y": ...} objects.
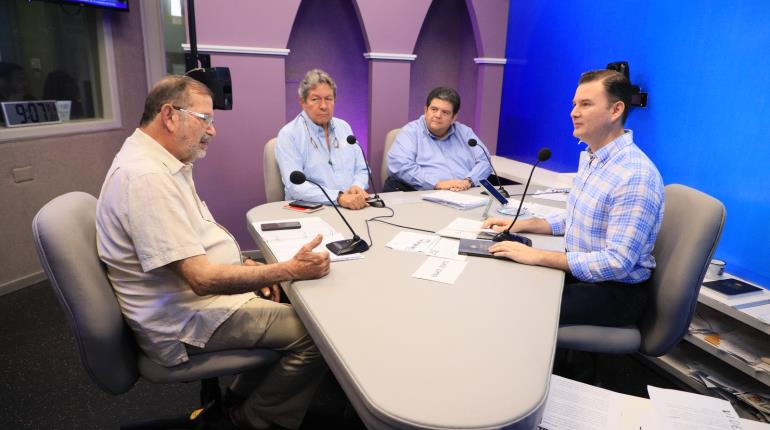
[{"x": 614, "y": 212}]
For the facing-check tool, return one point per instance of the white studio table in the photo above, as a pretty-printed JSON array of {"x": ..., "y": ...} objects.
[{"x": 417, "y": 354}]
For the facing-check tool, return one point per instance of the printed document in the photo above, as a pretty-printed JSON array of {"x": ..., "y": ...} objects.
[
  {"x": 678, "y": 410},
  {"x": 529, "y": 209},
  {"x": 573, "y": 405},
  {"x": 284, "y": 244},
  {"x": 412, "y": 242},
  {"x": 463, "y": 228}
]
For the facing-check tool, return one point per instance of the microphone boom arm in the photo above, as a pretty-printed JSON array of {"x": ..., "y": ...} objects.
[{"x": 355, "y": 236}]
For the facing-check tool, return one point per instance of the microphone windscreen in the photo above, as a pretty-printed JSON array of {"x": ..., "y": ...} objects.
[
  {"x": 351, "y": 139},
  {"x": 297, "y": 177},
  {"x": 472, "y": 142},
  {"x": 544, "y": 154}
]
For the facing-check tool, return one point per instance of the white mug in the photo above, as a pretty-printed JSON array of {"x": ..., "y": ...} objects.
[
  {"x": 63, "y": 107},
  {"x": 716, "y": 269}
]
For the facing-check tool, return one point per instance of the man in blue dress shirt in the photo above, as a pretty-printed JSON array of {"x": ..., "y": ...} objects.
[
  {"x": 614, "y": 213},
  {"x": 315, "y": 143},
  {"x": 432, "y": 152}
]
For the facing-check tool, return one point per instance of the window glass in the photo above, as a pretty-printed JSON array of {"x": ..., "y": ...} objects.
[
  {"x": 50, "y": 51},
  {"x": 174, "y": 35}
]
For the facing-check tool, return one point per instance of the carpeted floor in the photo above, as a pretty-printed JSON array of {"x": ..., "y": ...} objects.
[{"x": 43, "y": 385}]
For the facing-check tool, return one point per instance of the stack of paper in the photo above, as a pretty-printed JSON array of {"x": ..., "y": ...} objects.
[
  {"x": 573, "y": 405},
  {"x": 284, "y": 244},
  {"x": 428, "y": 244},
  {"x": 444, "y": 263},
  {"x": 530, "y": 209},
  {"x": 455, "y": 200}
]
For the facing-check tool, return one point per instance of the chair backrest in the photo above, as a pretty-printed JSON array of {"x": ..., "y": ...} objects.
[
  {"x": 65, "y": 238},
  {"x": 692, "y": 226},
  {"x": 273, "y": 182},
  {"x": 389, "y": 138}
]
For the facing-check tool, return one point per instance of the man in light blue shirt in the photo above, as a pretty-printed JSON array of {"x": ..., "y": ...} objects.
[
  {"x": 315, "y": 143},
  {"x": 432, "y": 152},
  {"x": 614, "y": 213}
]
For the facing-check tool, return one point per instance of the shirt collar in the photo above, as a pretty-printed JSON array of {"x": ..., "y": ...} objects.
[
  {"x": 154, "y": 150},
  {"x": 449, "y": 133},
  {"x": 316, "y": 129},
  {"x": 611, "y": 149}
]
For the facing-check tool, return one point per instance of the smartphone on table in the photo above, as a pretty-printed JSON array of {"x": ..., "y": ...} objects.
[
  {"x": 288, "y": 225},
  {"x": 305, "y": 204}
]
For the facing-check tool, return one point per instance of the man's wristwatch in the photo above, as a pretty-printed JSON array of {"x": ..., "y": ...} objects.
[{"x": 470, "y": 182}]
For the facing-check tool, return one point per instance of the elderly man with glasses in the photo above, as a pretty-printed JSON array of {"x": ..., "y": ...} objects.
[
  {"x": 178, "y": 275},
  {"x": 315, "y": 143}
]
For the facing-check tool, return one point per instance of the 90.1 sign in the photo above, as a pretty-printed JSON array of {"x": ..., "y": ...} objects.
[{"x": 24, "y": 113}]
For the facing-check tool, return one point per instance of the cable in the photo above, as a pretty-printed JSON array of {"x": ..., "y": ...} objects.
[{"x": 392, "y": 214}]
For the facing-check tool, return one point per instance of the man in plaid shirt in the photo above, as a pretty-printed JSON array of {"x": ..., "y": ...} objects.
[{"x": 614, "y": 213}]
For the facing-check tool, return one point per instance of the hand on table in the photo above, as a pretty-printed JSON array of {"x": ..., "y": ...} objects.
[
  {"x": 453, "y": 185},
  {"x": 353, "y": 199}
]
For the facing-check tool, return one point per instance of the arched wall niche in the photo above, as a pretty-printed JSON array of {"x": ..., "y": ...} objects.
[
  {"x": 327, "y": 35},
  {"x": 445, "y": 49}
]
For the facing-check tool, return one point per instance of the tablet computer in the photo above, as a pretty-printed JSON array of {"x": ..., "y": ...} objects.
[{"x": 494, "y": 192}]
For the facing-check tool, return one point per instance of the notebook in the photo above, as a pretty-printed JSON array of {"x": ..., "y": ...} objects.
[{"x": 730, "y": 288}]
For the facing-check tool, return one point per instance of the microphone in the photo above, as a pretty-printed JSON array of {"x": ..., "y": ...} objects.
[
  {"x": 340, "y": 247},
  {"x": 472, "y": 143},
  {"x": 375, "y": 201},
  {"x": 542, "y": 155}
]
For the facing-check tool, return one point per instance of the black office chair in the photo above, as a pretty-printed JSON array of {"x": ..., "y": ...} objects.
[{"x": 65, "y": 238}]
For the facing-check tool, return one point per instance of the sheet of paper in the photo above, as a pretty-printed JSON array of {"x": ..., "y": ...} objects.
[
  {"x": 412, "y": 242},
  {"x": 445, "y": 248},
  {"x": 679, "y": 410},
  {"x": 400, "y": 198},
  {"x": 554, "y": 194},
  {"x": 284, "y": 244},
  {"x": 440, "y": 270},
  {"x": 463, "y": 228},
  {"x": 572, "y": 405},
  {"x": 529, "y": 209}
]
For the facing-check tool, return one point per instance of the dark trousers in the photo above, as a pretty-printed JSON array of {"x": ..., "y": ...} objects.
[
  {"x": 611, "y": 304},
  {"x": 395, "y": 184}
]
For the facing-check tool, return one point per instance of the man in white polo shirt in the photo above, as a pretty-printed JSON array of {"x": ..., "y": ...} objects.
[{"x": 179, "y": 276}]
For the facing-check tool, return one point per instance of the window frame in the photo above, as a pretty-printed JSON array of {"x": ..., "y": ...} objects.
[{"x": 110, "y": 100}]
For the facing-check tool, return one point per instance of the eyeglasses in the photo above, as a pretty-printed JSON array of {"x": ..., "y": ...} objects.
[{"x": 208, "y": 120}]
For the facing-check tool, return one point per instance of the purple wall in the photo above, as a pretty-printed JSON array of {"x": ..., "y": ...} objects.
[
  {"x": 328, "y": 35},
  {"x": 445, "y": 58},
  {"x": 230, "y": 178},
  {"x": 263, "y": 23},
  {"x": 374, "y": 95}
]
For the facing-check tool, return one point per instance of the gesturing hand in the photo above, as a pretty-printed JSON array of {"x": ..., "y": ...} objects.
[{"x": 307, "y": 264}]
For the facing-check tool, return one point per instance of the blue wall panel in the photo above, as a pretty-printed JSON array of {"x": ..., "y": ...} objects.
[{"x": 706, "y": 65}]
